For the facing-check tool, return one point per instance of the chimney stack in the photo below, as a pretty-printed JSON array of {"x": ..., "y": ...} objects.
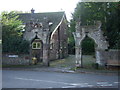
[{"x": 32, "y": 10}]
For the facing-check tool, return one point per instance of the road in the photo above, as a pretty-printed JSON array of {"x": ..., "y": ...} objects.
[{"x": 42, "y": 79}]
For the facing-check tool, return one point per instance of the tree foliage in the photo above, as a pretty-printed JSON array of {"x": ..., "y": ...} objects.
[
  {"x": 107, "y": 12},
  {"x": 88, "y": 46},
  {"x": 12, "y": 41},
  {"x": 11, "y": 26}
]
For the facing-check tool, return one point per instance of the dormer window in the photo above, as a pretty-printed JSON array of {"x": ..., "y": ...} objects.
[
  {"x": 45, "y": 18},
  {"x": 40, "y": 24},
  {"x": 50, "y": 23},
  {"x": 36, "y": 25}
]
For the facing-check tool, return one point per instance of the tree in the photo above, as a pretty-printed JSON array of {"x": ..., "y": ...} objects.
[
  {"x": 12, "y": 41},
  {"x": 11, "y": 26},
  {"x": 88, "y": 46},
  {"x": 71, "y": 41},
  {"x": 106, "y": 12}
]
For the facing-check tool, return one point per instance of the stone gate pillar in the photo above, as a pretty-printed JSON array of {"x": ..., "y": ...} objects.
[
  {"x": 78, "y": 55},
  {"x": 100, "y": 57},
  {"x": 78, "y": 36},
  {"x": 45, "y": 55},
  {"x": 46, "y": 48}
]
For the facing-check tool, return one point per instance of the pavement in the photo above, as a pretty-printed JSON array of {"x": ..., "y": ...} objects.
[
  {"x": 63, "y": 70},
  {"x": 63, "y": 66}
]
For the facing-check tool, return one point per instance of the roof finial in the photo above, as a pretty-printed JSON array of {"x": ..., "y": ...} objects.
[{"x": 32, "y": 10}]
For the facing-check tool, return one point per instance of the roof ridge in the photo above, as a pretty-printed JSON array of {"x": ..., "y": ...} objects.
[
  {"x": 44, "y": 12},
  {"x": 54, "y": 17}
]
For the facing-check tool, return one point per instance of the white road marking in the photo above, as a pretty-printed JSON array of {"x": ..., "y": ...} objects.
[
  {"x": 77, "y": 84},
  {"x": 69, "y": 87},
  {"x": 104, "y": 84},
  {"x": 116, "y": 82},
  {"x": 42, "y": 81},
  {"x": 90, "y": 85},
  {"x": 82, "y": 85},
  {"x": 107, "y": 85},
  {"x": 73, "y": 84}
]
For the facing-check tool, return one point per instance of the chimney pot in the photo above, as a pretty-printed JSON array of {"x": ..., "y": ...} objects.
[{"x": 32, "y": 10}]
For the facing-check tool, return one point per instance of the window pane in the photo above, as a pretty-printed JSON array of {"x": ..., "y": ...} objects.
[
  {"x": 39, "y": 45},
  {"x": 34, "y": 45}
]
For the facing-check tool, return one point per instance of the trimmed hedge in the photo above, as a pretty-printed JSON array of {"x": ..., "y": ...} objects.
[{"x": 15, "y": 45}]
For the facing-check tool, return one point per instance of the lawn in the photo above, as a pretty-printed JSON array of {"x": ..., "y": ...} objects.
[
  {"x": 88, "y": 61},
  {"x": 88, "y": 64}
]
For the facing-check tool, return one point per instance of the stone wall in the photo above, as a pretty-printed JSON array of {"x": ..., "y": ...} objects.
[
  {"x": 108, "y": 57},
  {"x": 113, "y": 57},
  {"x": 8, "y": 59}
]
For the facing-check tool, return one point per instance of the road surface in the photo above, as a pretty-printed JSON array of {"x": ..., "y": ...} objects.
[{"x": 42, "y": 79}]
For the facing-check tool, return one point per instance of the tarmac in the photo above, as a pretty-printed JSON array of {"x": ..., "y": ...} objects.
[{"x": 63, "y": 70}]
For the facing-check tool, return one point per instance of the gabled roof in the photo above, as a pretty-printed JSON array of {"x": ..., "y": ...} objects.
[{"x": 54, "y": 17}]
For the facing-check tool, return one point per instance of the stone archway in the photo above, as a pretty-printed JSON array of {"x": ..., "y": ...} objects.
[{"x": 94, "y": 32}]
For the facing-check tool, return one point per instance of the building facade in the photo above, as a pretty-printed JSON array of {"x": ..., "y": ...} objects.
[{"x": 47, "y": 34}]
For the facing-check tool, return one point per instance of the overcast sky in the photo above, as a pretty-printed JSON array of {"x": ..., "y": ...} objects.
[{"x": 39, "y": 5}]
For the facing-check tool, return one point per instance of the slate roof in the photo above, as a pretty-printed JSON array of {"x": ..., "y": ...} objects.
[{"x": 54, "y": 17}]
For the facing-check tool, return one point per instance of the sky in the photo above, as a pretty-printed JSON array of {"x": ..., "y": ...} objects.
[{"x": 39, "y": 6}]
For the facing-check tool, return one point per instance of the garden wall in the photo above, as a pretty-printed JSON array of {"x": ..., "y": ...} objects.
[
  {"x": 108, "y": 57},
  {"x": 113, "y": 57},
  {"x": 10, "y": 59}
]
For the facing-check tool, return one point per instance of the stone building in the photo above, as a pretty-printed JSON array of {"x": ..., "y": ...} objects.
[{"x": 47, "y": 34}]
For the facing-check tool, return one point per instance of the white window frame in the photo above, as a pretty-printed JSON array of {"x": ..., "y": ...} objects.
[{"x": 36, "y": 45}]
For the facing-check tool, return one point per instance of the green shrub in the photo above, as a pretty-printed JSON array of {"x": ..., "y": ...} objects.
[
  {"x": 88, "y": 47},
  {"x": 15, "y": 45},
  {"x": 95, "y": 65}
]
